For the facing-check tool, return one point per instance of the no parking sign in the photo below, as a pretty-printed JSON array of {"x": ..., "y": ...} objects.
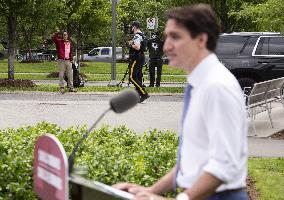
[
  {"x": 50, "y": 169},
  {"x": 151, "y": 23}
]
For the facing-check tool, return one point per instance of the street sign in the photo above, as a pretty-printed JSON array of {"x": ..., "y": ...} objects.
[
  {"x": 50, "y": 169},
  {"x": 151, "y": 23}
]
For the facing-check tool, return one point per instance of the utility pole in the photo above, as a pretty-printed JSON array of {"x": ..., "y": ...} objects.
[{"x": 113, "y": 63}]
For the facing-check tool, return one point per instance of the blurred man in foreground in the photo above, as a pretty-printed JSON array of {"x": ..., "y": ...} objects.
[{"x": 212, "y": 155}]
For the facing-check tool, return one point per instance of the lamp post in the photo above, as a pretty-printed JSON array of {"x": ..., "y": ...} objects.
[{"x": 113, "y": 63}]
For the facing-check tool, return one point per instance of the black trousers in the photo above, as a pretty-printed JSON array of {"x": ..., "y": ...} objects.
[
  {"x": 135, "y": 73},
  {"x": 155, "y": 62}
]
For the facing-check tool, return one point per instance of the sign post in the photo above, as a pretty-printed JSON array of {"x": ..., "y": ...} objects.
[
  {"x": 50, "y": 169},
  {"x": 113, "y": 63}
]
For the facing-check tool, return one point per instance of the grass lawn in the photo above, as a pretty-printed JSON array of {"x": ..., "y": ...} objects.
[
  {"x": 269, "y": 176},
  {"x": 95, "y": 71},
  {"x": 28, "y": 76},
  {"x": 89, "y": 68},
  {"x": 44, "y": 67}
]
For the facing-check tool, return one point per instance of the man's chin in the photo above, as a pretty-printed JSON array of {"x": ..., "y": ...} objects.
[{"x": 172, "y": 64}]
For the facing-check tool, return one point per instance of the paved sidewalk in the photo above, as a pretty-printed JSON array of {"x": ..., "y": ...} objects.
[
  {"x": 260, "y": 145},
  {"x": 262, "y": 122},
  {"x": 83, "y": 108}
]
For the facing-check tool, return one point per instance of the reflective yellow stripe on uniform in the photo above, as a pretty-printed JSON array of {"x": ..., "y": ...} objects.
[{"x": 131, "y": 77}]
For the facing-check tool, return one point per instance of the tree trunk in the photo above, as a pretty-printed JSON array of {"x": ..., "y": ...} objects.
[
  {"x": 11, "y": 45},
  {"x": 224, "y": 16},
  {"x": 30, "y": 54}
]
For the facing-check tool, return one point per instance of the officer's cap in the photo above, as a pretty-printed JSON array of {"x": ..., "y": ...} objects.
[{"x": 136, "y": 24}]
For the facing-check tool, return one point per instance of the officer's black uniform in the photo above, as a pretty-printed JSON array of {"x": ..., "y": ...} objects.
[
  {"x": 136, "y": 61},
  {"x": 155, "y": 47}
]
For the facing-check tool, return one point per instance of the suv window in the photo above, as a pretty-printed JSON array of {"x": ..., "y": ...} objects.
[
  {"x": 228, "y": 45},
  {"x": 105, "y": 51},
  {"x": 94, "y": 52},
  {"x": 270, "y": 46},
  {"x": 248, "y": 47}
]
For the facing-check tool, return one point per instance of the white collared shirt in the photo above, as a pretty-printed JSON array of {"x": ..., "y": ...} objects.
[{"x": 215, "y": 128}]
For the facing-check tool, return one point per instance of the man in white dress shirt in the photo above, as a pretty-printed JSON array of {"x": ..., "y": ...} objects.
[{"x": 212, "y": 156}]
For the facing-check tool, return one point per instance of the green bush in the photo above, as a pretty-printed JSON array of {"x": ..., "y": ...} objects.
[{"x": 112, "y": 155}]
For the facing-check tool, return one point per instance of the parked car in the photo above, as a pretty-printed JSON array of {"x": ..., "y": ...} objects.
[
  {"x": 252, "y": 56},
  {"x": 3, "y": 53},
  {"x": 1, "y": 56},
  {"x": 103, "y": 54},
  {"x": 35, "y": 54}
]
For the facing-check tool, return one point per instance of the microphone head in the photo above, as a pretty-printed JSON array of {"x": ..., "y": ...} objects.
[{"x": 125, "y": 100}]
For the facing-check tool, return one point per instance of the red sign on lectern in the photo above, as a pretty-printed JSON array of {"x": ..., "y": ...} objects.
[{"x": 50, "y": 169}]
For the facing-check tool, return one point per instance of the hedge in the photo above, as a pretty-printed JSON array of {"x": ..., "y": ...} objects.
[{"x": 111, "y": 155}]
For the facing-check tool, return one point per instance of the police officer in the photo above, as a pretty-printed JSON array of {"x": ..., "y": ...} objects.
[
  {"x": 155, "y": 47},
  {"x": 136, "y": 60}
]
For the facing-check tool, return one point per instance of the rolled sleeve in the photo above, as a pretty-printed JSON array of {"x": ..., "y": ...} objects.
[
  {"x": 221, "y": 170},
  {"x": 226, "y": 132}
]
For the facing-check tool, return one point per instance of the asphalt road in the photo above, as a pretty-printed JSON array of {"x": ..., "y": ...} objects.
[{"x": 18, "y": 109}]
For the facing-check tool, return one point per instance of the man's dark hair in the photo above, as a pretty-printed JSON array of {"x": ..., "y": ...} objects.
[
  {"x": 198, "y": 19},
  {"x": 136, "y": 24}
]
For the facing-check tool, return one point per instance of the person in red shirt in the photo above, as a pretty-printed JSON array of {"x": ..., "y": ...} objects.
[{"x": 64, "y": 54}]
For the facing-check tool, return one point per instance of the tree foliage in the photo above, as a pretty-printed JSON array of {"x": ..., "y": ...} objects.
[{"x": 264, "y": 16}]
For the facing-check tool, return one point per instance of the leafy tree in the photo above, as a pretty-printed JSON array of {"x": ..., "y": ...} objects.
[
  {"x": 265, "y": 16},
  {"x": 12, "y": 11},
  {"x": 88, "y": 22}
]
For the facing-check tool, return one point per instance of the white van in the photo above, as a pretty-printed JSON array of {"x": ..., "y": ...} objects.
[{"x": 103, "y": 54}]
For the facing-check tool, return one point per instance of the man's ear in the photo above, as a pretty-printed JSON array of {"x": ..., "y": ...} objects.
[{"x": 202, "y": 40}]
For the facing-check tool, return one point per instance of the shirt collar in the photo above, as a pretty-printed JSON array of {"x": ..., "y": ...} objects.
[{"x": 199, "y": 72}]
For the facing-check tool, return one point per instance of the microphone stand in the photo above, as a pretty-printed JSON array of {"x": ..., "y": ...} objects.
[{"x": 72, "y": 155}]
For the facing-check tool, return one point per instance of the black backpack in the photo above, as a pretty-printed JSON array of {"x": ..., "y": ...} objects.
[
  {"x": 144, "y": 42},
  {"x": 77, "y": 79}
]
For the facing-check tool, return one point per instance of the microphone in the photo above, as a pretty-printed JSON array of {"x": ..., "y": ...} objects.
[
  {"x": 124, "y": 101},
  {"x": 120, "y": 103}
]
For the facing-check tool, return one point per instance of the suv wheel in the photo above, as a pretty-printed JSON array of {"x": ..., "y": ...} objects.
[{"x": 246, "y": 84}]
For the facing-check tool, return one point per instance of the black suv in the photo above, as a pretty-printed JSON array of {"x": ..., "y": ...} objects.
[{"x": 252, "y": 56}]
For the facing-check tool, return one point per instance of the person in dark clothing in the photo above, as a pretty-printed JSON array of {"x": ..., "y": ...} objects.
[
  {"x": 136, "y": 60},
  {"x": 155, "y": 47}
]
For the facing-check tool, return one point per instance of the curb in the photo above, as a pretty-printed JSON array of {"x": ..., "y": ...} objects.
[{"x": 87, "y": 93}]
